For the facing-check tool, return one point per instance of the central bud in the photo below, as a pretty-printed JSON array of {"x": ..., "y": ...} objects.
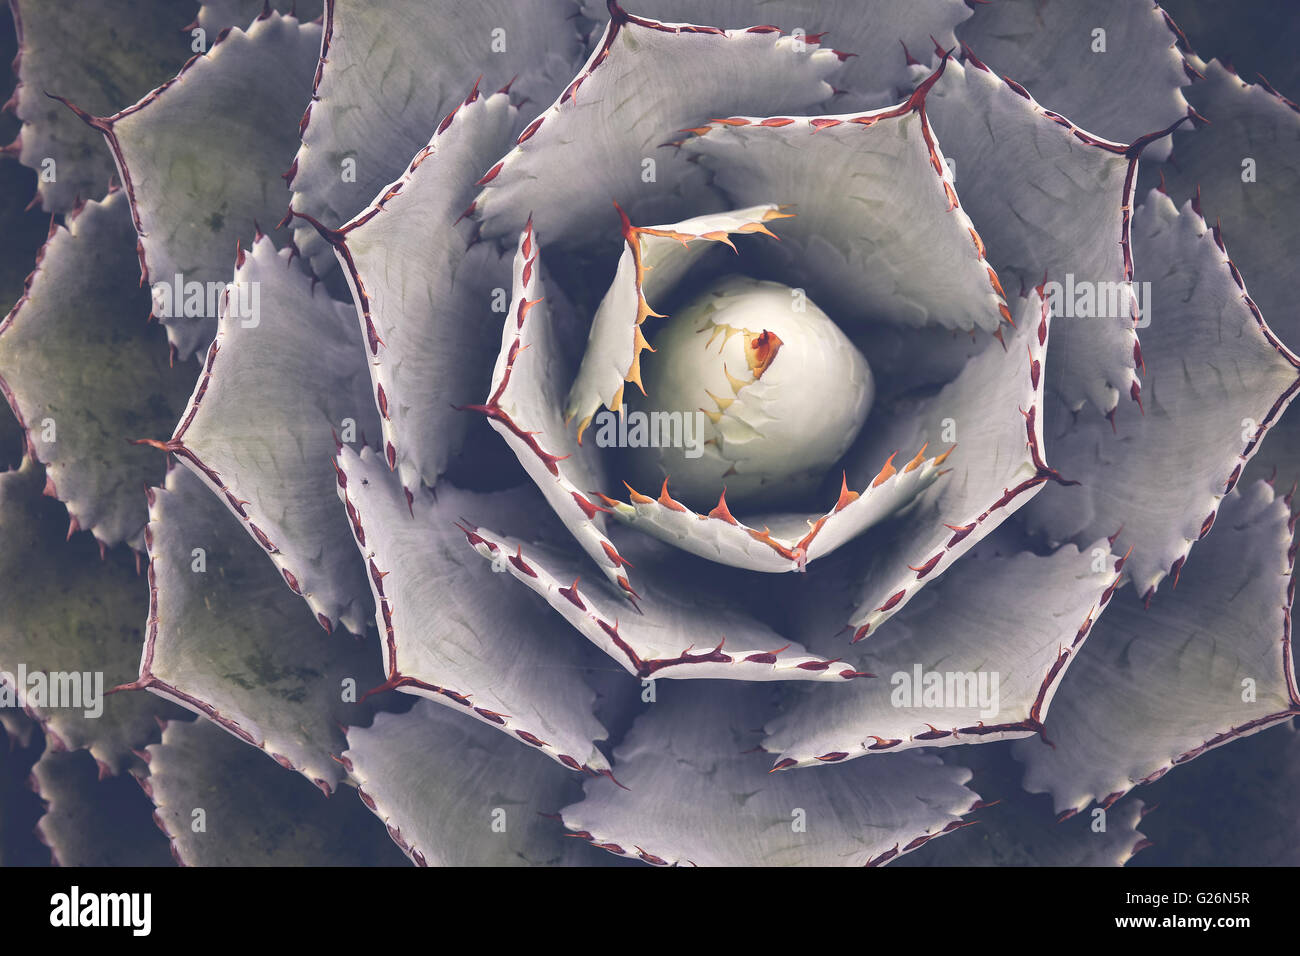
[{"x": 768, "y": 392}]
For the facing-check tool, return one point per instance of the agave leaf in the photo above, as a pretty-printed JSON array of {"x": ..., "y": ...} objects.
[
  {"x": 782, "y": 541},
  {"x": 1014, "y": 828},
  {"x": 1051, "y": 201},
  {"x": 222, "y": 804},
  {"x": 684, "y": 626},
  {"x": 84, "y": 373},
  {"x": 215, "y": 15},
  {"x": 391, "y": 70},
  {"x": 200, "y": 159},
  {"x": 880, "y": 233},
  {"x": 1205, "y": 665},
  {"x": 1246, "y": 121},
  {"x": 451, "y": 630},
  {"x": 227, "y": 640},
  {"x": 883, "y": 38},
  {"x": 691, "y": 795},
  {"x": 69, "y": 610},
  {"x": 995, "y": 633},
  {"x": 680, "y": 75},
  {"x": 426, "y": 304},
  {"x": 453, "y": 793},
  {"x": 1121, "y": 83},
  {"x": 1236, "y": 168},
  {"x": 123, "y": 49},
  {"x": 654, "y": 260},
  {"x": 525, "y": 408},
  {"x": 90, "y": 821},
  {"x": 992, "y": 411},
  {"x": 1217, "y": 379},
  {"x": 1233, "y": 807},
  {"x": 291, "y": 365}
]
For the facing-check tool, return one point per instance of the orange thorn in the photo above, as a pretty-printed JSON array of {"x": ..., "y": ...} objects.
[
  {"x": 667, "y": 501},
  {"x": 885, "y": 473},
  {"x": 637, "y": 497},
  {"x": 721, "y": 510},
  {"x": 846, "y": 497},
  {"x": 916, "y": 462}
]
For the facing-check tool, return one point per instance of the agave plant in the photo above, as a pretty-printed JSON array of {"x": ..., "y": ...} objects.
[{"x": 758, "y": 433}]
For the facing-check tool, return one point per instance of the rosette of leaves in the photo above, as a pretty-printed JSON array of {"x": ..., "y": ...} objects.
[{"x": 867, "y": 435}]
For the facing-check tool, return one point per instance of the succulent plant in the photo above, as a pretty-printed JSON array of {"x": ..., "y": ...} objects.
[{"x": 762, "y": 433}]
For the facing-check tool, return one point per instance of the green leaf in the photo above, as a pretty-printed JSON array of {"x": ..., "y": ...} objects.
[
  {"x": 226, "y": 638},
  {"x": 879, "y": 232},
  {"x": 975, "y": 658},
  {"x": 454, "y": 631},
  {"x": 690, "y": 794},
  {"x": 1247, "y": 122},
  {"x": 682, "y": 623},
  {"x": 524, "y": 406},
  {"x": 1121, "y": 83},
  {"x": 69, "y": 610},
  {"x": 646, "y": 81},
  {"x": 1014, "y": 828},
  {"x": 284, "y": 381},
  {"x": 882, "y": 37},
  {"x": 453, "y": 792},
  {"x": 85, "y": 374},
  {"x": 1204, "y": 665},
  {"x": 103, "y": 59},
  {"x": 1238, "y": 168},
  {"x": 1217, "y": 380},
  {"x": 201, "y": 157},
  {"x": 424, "y": 295},
  {"x": 393, "y": 69},
  {"x": 992, "y": 412},
  {"x": 223, "y": 804},
  {"x": 1050, "y": 201}
]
